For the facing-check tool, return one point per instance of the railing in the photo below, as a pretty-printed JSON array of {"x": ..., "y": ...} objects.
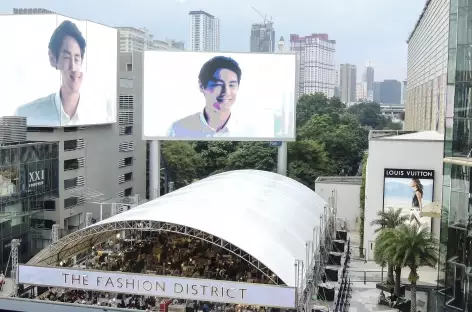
[
  {"x": 365, "y": 276},
  {"x": 358, "y": 253}
]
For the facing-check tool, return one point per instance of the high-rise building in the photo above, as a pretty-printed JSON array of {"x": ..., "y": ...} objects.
[
  {"x": 262, "y": 37},
  {"x": 427, "y": 68},
  {"x": 404, "y": 84},
  {"x": 391, "y": 92},
  {"x": 315, "y": 63},
  {"x": 361, "y": 91},
  {"x": 204, "y": 31},
  {"x": 139, "y": 40},
  {"x": 368, "y": 77},
  {"x": 135, "y": 39},
  {"x": 35, "y": 11},
  {"x": 377, "y": 91},
  {"x": 281, "y": 45},
  {"x": 348, "y": 82}
]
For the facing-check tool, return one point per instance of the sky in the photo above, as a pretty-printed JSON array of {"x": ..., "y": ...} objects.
[{"x": 364, "y": 30}]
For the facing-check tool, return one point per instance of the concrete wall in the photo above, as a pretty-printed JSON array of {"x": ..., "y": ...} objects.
[
  {"x": 101, "y": 152},
  {"x": 398, "y": 154},
  {"x": 346, "y": 197}
]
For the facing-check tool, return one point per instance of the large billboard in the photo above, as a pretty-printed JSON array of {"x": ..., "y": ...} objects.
[
  {"x": 218, "y": 96},
  {"x": 159, "y": 286},
  {"x": 410, "y": 190},
  {"x": 58, "y": 71}
]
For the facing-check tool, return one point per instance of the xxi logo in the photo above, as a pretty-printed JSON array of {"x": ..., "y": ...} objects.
[{"x": 36, "y": 176}]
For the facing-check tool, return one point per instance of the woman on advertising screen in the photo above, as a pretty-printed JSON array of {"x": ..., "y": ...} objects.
[
  {"x": 219, "y": 82},
  {"x": 417, "y": 201}
]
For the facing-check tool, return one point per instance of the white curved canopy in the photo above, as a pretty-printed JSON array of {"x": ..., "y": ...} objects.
[{"x": 269, "y": 216}]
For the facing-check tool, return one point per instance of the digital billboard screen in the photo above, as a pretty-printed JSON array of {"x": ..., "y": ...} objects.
[
  {"x": 218, "y": 96},
  {"x": 59, "y": 71}
]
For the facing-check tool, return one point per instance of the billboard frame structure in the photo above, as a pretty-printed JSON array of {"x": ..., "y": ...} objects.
[{"x": 228, "y": 139}]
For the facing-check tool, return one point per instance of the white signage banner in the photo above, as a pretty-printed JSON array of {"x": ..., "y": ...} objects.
[{"x": 160, "y": 286}]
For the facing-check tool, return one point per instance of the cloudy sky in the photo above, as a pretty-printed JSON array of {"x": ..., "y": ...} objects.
[{"x": 374, "y": 30}]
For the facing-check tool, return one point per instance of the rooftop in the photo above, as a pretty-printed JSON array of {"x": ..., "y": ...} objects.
[
  {"x": 406, "y": 135},
  {"x": 339, "y": 180}
]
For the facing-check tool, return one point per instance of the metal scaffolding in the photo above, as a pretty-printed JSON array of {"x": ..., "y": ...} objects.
[
  {"x": 88, "y": 219},
  {"x": 86, "y": 238},
  {"x": 15, "y": 243}
]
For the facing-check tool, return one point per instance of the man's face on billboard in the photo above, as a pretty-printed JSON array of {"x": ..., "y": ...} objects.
[
  {"x": 221, "y": 91},
  {"x": 70, "y": 64}
]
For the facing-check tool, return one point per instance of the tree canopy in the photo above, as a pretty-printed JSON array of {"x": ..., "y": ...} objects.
[{"x": 331, "y": 140}]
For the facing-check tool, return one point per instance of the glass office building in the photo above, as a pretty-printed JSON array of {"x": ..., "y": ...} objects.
[
  {"x": 455, "y": 267},
  {"x": 28, "y": 189}
]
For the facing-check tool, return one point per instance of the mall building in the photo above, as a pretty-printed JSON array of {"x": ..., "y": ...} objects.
[{"x": 447, "y": 22}]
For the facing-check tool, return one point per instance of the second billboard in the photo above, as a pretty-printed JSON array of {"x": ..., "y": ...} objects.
[
  {"x": 58, "y": 71},
  {"x": 219, "y": 96},
  {"x": 408, "y": 189}
]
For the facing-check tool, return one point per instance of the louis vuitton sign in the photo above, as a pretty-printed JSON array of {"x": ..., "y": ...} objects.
[{"x": 159, "y": 286}]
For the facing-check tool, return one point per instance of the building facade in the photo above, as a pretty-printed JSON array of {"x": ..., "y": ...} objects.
[
  {"x": 391, "y": 92},
  {"x": 361, "y": 91},
  {"x": 455, "y": 267},
  {"x": 281, "y": 45},
  {"x": 315, "y": 63},
  {"x": 348, "y": 82},
  {"x": 204, "y": 31},
  {"x": 425, "y": 100},
  {"x": 262, "y": 37},
  {"x": 368, "y": 78},
  {"x": 29, "y": 186}
]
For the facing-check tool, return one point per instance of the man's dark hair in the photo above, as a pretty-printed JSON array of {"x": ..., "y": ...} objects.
[
  {"x": 218, "y": 62},
  {"x": 66, "y": 28}
]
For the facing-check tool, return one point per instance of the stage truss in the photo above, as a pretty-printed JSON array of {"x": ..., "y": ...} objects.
[{"x": 82, "y": 240}]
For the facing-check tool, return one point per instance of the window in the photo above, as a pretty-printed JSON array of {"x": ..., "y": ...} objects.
[
  {"x": 72, "y": 145},
  {"x": 73, "y": 164},
  {"x": 128, "y": 176},
  {"x": 71, "y": 129},
  {"x": 126, "y": 146},
  {"x": 70, "y": 183},
  {"x": 50, "y": 205},
  {"x": 70, "y": 202},
  {"x": 129, "y": 67},
  {"x": 125, "y": 162},
  {"x": 125, "y": 177},
  {"x": 128, "y": 191}
]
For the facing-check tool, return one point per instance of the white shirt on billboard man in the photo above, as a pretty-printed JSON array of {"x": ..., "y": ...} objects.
[
  {"x": 66, "y": 52},
  {"x": 219, "y": 81}
]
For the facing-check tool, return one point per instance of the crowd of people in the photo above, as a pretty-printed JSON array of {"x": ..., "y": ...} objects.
[{"x": 158, "y": 253}]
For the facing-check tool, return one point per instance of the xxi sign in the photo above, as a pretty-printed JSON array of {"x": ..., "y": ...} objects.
[{"x": 36, "y": 178}]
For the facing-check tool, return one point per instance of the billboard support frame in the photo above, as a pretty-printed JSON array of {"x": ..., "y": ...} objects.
[
  {"x": 154, "y": 169},
  {"x": 282, "y": 159}
]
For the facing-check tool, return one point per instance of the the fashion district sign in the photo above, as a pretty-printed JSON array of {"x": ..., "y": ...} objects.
[{"x": 160, "y": 286}]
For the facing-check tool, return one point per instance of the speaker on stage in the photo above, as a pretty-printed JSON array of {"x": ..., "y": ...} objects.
[
  {"x": 338, "y": 246},
  {"x": 334, "y": 258},
  {"x": 341, "y": 235},
  {"x": 326, "y": 292},
  {"x": 332, "y": 274}
]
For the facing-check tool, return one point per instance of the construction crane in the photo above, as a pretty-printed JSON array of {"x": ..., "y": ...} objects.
[{"x": 264, "y": 16}]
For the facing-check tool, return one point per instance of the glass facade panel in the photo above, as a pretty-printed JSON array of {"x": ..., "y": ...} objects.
[{"x": 28, "y": 184}]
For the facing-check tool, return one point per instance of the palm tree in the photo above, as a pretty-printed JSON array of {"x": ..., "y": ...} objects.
[
  {"x": 413, "y": 247},
  {"x": 389, "y": 219}
]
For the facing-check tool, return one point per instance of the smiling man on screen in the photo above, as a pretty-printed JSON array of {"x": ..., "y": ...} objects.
[
  {"x": 66, "y": 52},
  {"x": 219, "y": 81}
]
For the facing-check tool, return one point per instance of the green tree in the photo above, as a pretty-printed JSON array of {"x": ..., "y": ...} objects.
[
  {"x": 253, "y": 155},
  {"x": 411, "y": 246},
  {"x": 317, "y": 104},
  {"x": 183, "y": 162},
  {"x": 214, "y": 155},
  {"x": 389, "y": 219},
  {"x": 307, "y": 159},
  {"x": 369, "y": 114}
]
